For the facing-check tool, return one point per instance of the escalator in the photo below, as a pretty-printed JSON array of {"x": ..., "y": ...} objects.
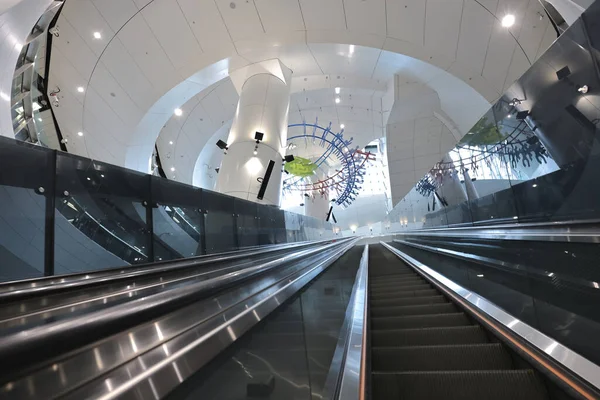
[{"x": 425, "y": 347}]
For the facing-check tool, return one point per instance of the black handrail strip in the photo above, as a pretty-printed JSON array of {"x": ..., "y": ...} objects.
[
  {"x": 48, "y": 340},
  {"x": 120, "y": 274}
]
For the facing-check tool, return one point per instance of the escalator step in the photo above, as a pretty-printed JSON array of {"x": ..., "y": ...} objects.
[
  {"x": 406, "y": 301},
  {"x": 397, "y": 274},
  {"x": 409, "y": 293},
  {"x": 462, "y": 385},
  {"x": 413, "y": 310},
  {"x": 399, "y": 288},
  {"x": 411, "y": 281},
  {"x": 464, "y": 357},
  {"x": 404, "y": 274},
  {"x": 420, "y": 321},
  {"x": 428, "y": 336}
]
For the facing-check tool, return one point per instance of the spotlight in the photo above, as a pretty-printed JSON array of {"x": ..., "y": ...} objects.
[
  {"x": 563, "y": 73},
  {"x": 508, "y": 20},
  {"x": 584, "y": 89},
  {"x": 289, "y": 158},
  {"x": 515, "y": 102},
  {"x": 222, "y": 145},
  {"x": 258, "y": 136},
  {"x": 255, "y": 151},
  {"x": 337, "y": 100}
]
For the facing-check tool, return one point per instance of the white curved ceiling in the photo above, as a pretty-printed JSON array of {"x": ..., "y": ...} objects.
[{"x": 148, "y": 57}]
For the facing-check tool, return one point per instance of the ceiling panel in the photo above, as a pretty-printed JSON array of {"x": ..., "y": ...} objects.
[
  {"x": 442, "y": 26},
  {"x": 475, "y": 32},
  {"x": 499, "y": 55},
  {"x": 547, "y": 40},
  {"x": 140, "y": 42},
  {"x": 141, "y": 3},
  {"x": 280, "y": 15},
  {"x": 242, "y": 21},
  {"x": 518, "y": 66},
  {"x": 366, "y": 16},
  {"x": 129, "y": 76},
  {"x": 86, "y": 20},
  {"x": 116, "y": 12},
  {"x": 114, "y": 95},
  {"x": 296, "y": 57},
  {"x": 206, "y": 23},
  {"x": 74, "y": 48},
  {"x": 533, "y": 29},
  {"x": 323, "y": 14},
  {"x": 66, "y": 76},
  {"x": 168, "y": 24},
  {"x": 345, "y": 59}
]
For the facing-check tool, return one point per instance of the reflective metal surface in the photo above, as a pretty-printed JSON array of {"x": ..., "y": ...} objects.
[
  {"x": 47, "y": 338},
  {"x": 155, "y": 373},
  {"x": 584, "y": 232},
  {"x": 210, "y": 323},
  {"x": 18, "y": 289},
  {"x": 570, "y": 360},
  {"x": 352, "y": 376}
]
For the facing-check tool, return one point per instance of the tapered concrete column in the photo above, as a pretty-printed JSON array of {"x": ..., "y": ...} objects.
[{"x": 264, "y": 90}]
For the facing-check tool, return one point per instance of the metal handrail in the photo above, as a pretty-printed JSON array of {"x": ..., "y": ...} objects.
[
  {"x": 493, "y": 316},
  {"x": 563, "y": 231},
  {"x": 347, "y": 381},
  {"x": 48, "y": 339},
  {"x": 11, "y": 291},
  {"x": 182, "y": 341}
]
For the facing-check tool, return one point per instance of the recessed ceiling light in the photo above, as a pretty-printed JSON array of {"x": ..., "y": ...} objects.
[
  {"x": 508, "y": 20},
  {"x": 337, "y": 100},
  {"x": 79, "y": 133},
  {"x": 178, "y": 112},
  {"x": 342, "y": 126},
  {"x": 80, "y": 89},
  {"x": 170, "y": 142},
  {"x": 97, "y": 35},
  {"x": 337, "y": 90},
  {"x": 172, "y": 169}
]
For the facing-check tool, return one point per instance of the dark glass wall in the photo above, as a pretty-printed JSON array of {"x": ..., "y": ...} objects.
[
  {"x": 533, "y": 157},
  {"x": 62, "y": 213}
]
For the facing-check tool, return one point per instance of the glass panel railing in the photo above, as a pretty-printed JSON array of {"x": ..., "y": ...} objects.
[
  {"x": 64, "y": 213},
  {"x": 533, "y": 157},
  {"x": 25, "y": 179}
]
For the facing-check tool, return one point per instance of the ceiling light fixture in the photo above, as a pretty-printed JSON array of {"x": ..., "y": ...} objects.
[
  {"x": 170, "y": 142},
  {"x": 342, "y": 126},
  {"x": 97, "y": 35},
  {"x": 351, "y": 51},
  {"x": 80, "y": 89},
  {"x": 178, "y": 112},
  {"x": 337, "y": 90},
  {"x": 80, "y": 133},
  {"x": 337, "y": 100},
  {"x": 583, "y": 89},
  {"x": 172, "y": 169},
  {"x": 508, "y": 20}
]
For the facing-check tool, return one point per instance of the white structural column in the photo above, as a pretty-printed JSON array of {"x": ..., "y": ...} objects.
[
  {"x": 317, "y": 205},
  {"x": 264, "y": 90}
]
